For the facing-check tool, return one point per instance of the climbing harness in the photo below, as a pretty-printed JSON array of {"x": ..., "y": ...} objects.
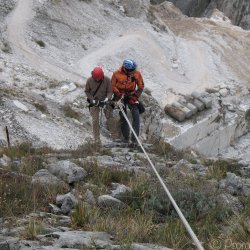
[{"x": 183, "y": 219}]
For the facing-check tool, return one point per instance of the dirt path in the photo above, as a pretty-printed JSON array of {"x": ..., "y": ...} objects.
[{"x": 17, "y": 34}]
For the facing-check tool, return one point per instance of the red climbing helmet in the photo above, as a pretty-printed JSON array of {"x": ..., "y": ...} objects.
[{"x": 97, "y": 73}]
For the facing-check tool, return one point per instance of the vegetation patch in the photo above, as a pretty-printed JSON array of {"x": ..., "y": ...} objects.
[
  {"x": 40, "y": 43},
  {"x": 147, "y": 215},
  {"x": 41, "y": 107},
  {"x": 69, "y": 112},
  {"x": 217, "y": 169},
  {"x": 25, "y": 149}
]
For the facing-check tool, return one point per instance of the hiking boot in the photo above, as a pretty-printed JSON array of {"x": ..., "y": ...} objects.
[
  {"x": 132, "y": 145},
  {"x": 135, "y": 146}
]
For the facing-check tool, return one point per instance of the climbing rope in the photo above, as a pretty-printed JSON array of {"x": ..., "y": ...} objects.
[
  {"x": 101, "y": 122},
  {"x": 183, "y": 219}
]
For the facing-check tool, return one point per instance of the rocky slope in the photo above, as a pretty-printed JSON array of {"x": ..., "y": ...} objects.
[
  {"x": 237, "y": 10},
  {"x": 107, "y": 198}
]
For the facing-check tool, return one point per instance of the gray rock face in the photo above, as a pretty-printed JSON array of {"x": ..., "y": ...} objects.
[
  {"x": 67, "y": 171},
  {"x": 191, "y": 7},
  {"x": 237, "y": 10}
]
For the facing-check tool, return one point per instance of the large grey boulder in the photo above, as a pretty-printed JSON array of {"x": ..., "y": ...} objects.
[
  {"x": 109, "y": 202},
  {"x": 82, "y": 240},
  {"x": 119, "y": 189},
  {"x": 89, "y": 197},
  {"x": 175, "y": 112},
  {"x": 66, "y": 202},
  {"x": 67, "y": 171},
  {"x": 44, "y": 177},
  {"x": 229, "y": 201},
  {"x": 232, "y": 184}
]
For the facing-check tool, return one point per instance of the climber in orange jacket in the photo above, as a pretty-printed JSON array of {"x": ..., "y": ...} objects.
[{"x": 127, "y": 83}]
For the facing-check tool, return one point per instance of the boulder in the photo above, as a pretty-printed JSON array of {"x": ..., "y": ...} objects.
[
  {"x": 89, "y": 197},
  {"x": 203, "y": 97},
  {"x": 229, "y": 201},
  {"x": 109, "y": 201},
  {"x": 232, "y": 183},
  {"x": 66, "y": 202},
  {"x": 44, "y": 177},
  {"x": 5, "y": 161},
  {"x": 198, "y": 104},
  {"x": 175, "y": 112},
  {"x": 67, "y": 171},
  {"x": 82, "y": 240},
  {"x": 187, "y": 111},
  {"x": 189, "y": 105},
  {"x": 119, "y": 189}
]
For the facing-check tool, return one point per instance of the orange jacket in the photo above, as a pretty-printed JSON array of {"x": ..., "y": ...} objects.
[{"x": 127, "y": 84}]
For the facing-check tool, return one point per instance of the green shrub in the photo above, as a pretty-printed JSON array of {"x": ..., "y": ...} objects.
[
  {"x": 25, "y": 149},
  {"x": 42, "y": 107},
  {"x": 18, "y": 197},
  {"x": 82, "y": 215},
  {"x": 105, "y": 176},
  {"x": 40, "y": 43},
  {"x": 217, "y": 169}
]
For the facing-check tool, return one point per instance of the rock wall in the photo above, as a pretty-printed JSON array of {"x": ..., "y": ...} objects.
[{"x": 237, "y": 10}]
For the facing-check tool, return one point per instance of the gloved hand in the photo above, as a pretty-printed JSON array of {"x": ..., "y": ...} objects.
[
  {"x": 133, "y": 99},
  {"x": 95, "y": 103},
  {"x": 138, "y": 93},
  {"x": 106, "y": 100},
  {"x": 118, "y": 96}
]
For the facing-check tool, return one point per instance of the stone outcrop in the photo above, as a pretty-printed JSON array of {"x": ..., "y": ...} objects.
[
  {"x": 237, "y": 10},
  {"x": 188, "y": 106}
]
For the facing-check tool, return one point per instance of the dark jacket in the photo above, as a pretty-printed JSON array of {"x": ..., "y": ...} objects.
[{"x": 105, "y": 89}]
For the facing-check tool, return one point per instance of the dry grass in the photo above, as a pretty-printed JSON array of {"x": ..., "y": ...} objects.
[
  {"x": 69, "y": 112},
  {"x": 147, "y": 215}
]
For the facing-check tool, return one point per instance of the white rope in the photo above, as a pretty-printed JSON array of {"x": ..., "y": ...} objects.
[
  {"x": 102, "y": 125},
  {"x": 183, "y": 219}
]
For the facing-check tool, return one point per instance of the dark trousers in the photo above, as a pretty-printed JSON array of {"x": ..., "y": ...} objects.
[{"x": 135, "y": 122}]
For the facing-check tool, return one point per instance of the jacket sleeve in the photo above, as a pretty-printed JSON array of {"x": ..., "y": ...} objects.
[
  {"x": 140, "y": 85},
  {"x": 87, "y": 91},
  {"x": 114, "y": 81}
]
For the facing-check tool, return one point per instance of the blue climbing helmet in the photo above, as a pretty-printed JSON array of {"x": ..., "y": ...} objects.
[{"x": 129, "y": 64}]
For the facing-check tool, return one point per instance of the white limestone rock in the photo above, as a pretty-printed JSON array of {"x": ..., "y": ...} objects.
[{"x": 67, "y": 171}]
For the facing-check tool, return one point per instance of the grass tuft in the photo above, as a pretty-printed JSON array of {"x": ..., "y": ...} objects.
[
  {"x": 40, "y": 43},
  {"x": 69, "y": 112}
]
